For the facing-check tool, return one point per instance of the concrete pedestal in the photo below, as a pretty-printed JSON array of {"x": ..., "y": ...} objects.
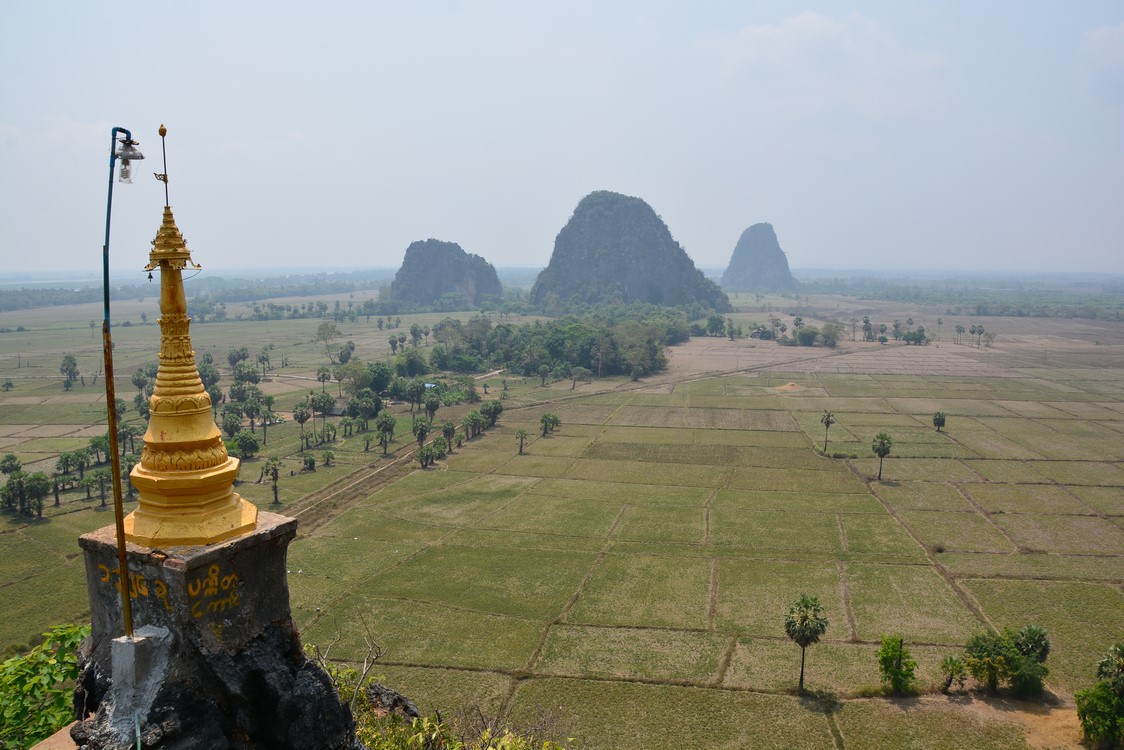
[{"x": 232, "y": 671}]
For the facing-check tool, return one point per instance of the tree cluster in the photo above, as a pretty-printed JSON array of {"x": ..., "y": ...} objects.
[{"x": 627, "y": 340}]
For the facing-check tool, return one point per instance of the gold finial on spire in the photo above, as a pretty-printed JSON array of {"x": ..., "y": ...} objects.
[{"x": 163, "y": 176}]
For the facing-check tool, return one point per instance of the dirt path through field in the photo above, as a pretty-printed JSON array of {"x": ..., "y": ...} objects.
[{"x": 1047, "y": 727}]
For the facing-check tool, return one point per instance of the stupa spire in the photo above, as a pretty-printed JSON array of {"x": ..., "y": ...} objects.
[{"x": 185, "y": 476}]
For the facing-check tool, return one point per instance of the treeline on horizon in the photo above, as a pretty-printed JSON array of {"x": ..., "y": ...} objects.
[
  {"x": 209, "y": 297},
  {"x": 214, "y": 288},
  {"x": 1107, "y": 303}
]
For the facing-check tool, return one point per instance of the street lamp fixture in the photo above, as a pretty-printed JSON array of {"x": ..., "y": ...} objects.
[{"x": 128, "y": 153}]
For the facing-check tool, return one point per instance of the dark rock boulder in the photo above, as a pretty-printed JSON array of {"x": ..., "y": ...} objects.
[
  {"x": 758, "y": 263},
  {"x": 616, "y": 250},
  {"x": 443, "y": 276},
  {"x": 267, "y": 696},
  {"x": 390, "y": 701}
]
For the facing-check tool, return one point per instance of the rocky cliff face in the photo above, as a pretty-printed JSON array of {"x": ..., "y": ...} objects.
[
  {"x": 441, "y": 274},
  {"x": 758, "y": 263},
  {"x": 615, "y": 249}
]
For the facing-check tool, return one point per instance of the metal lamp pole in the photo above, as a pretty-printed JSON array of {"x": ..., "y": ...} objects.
[{"x": 127, "y": 153}]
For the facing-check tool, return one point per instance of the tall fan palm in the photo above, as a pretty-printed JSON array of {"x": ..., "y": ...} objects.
[{"x": 804, "y": 624}]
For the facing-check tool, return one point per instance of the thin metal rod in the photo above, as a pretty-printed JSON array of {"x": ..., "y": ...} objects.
[
  {"x": 164, "y": 150},
  {"x": 111, "y": 401}
]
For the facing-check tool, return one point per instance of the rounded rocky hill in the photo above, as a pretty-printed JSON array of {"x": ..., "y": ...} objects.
[
  {"x": 615, "y": 250},
  {"x": 442, "y": 275},
  {"x": 758, "y": 263}
]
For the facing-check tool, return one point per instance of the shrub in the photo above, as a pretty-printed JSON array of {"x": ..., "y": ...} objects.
[
  {"x": 35, "y": 690},
  {"x": 896, "y": 665},
  {"x": 1101, "y": 713},
  {"x": 1027, "y": 676},
  {"x": 987, "y": 658},
  {"x": 995, "y": 657}
]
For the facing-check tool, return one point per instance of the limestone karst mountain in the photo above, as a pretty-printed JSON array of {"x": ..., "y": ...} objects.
[
  {"x": 443, "y": 276},
  {"x": 615, "y": 249},
  {"x": 758, "y": 263}
]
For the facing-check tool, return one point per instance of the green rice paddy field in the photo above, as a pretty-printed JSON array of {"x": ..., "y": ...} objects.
[
  {"x": 642, "y": 559},
  {"x": 630, "y": 572}
]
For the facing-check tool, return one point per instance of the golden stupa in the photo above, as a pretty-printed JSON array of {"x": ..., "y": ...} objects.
[{"x": 185, "y": 477}]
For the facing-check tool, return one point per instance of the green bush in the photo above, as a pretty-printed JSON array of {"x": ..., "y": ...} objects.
[
  {"x": 1101, "y": 712},
  {"x": 1027, "y": 676},
  {"x": 896, "y": 665},
  {"x": 35, "y": 690},
  {"x": 995, "y": 657},
  {"x": 987, "y": 656}
]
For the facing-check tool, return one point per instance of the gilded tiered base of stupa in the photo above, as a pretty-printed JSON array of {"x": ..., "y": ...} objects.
[{"x": 188, "y": 507}]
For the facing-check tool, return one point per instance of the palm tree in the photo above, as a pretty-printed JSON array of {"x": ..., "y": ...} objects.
[
  {"x": 549, "y": 422},
  {"x": 421, "y": 428},
  {"x": 522, "y": 436},
  {"x": 273, "y": 469},
  {"x": 881, "y": 447},
  {"x": 1111, "y": 668},
  {"x": 384, "y": 426},
  {"x": 804, "y": 624},
  {"x": 828, "y": 419},
  {"x": 939, "y": 420},
  {"x": 301, "y": 413}
]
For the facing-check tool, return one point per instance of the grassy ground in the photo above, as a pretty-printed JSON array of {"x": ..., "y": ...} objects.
[{"x": 631, "y": 571}]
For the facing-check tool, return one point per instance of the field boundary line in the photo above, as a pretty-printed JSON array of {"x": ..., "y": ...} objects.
[
  {"x": 845, "y": 594},
  {"x": 724, "y": 663},
  {"x": 712, "y": 595},
  {"x": 561, "y": 617},
  {"x": 833, "y": 727},
  {"x": 983, "y": 512},
  {"x": 950, "y": 580}
]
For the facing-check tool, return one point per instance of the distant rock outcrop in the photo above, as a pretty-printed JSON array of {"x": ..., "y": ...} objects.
[
  {"x": 758, "y": 263},
  {"x": 616, "y": 250},
  {"x": 442, "y": 275}
]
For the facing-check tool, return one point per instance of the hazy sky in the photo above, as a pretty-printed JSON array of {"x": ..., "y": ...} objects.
[{"x": 883, "y": 135}]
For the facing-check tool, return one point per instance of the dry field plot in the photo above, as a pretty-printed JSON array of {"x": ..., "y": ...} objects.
[{"x": 632, "y": 570}]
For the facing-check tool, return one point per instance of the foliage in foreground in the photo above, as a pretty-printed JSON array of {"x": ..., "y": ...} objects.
[
  {"x": 381, "y": 731},
  {"x": 394, "y": 733},
  {"x": 35, "y": 699}
]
